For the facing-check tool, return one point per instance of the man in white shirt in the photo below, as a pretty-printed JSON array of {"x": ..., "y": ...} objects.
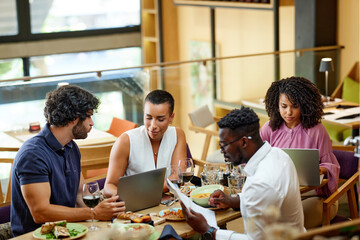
[{"x": 271, "y": 180}]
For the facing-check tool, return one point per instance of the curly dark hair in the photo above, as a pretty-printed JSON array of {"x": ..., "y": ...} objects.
[
  {"x": 67, "y": 103},
  {"x": 299, "y": 91},
  {"x": 160, "y": 97},
  {"x": 241, "y": 121}
]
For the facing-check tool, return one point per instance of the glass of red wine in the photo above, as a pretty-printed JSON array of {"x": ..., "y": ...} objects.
[
  {"x": 186, "y": 170},
  {"x": 175, "y": 177},
  {"x": 91, "y": 198}
]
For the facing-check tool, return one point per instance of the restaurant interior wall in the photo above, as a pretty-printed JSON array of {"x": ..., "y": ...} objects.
[
  {"x": 348, "y": 34},
  {"x": 243, "y": 31}
]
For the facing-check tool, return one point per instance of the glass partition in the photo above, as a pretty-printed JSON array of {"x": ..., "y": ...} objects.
[
  {"x": 222, "y": 84},
  {"x": 120, "y": 92},
  {"x": 227, "y": 83}
]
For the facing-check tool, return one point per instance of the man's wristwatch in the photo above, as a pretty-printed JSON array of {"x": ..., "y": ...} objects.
[{"x": 209, "y": 234}]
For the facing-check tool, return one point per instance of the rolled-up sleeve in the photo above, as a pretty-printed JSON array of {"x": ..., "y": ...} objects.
[{"x": 328, "y": 161}]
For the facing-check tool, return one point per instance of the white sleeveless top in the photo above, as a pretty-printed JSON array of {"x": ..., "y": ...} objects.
[{"x": 141, "y": 157}]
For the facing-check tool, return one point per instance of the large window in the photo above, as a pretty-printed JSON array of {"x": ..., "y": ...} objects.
[
  {"x": 76, "y": 36},
  {"x": 49, "y": 16},
  {"x": 85, "y": 61},
  {"x": 11, "y": 68},
  {"x": 84, "y": 23},
  {"x": 28, "y": 20},
  {"x": 8, "y": 18}
]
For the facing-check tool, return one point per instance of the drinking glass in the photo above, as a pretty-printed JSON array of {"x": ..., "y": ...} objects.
[
  {"x": 91, "y": 198},
  {"x": 235, "y": 183},
  {"x": 210, "y": 174},
  {"x": 175, "y": 176},
  {"x": 186, "y": 170},
  {"x": 175, "y": 179}
]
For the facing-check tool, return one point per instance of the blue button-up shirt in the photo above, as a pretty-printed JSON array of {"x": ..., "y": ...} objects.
[{"x": 43, "y": 159}]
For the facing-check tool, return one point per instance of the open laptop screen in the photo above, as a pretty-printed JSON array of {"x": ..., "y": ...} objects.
[
  {"x": 306, "y": 162},
  {"x": 142, "y": 190}
]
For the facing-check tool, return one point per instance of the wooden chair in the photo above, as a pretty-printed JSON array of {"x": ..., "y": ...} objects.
[
  {"x": 353, "y": 74},
  {"x": 334, "y": 230},
  {"x": 94, "y": 157},
  {"x": 119, "y": 126},
  {"x": 349, "y": 176},
  {"x": 200, "y": 120},
  {"x": 7, "y": 157},
  {"x": 9, "y": 149}
]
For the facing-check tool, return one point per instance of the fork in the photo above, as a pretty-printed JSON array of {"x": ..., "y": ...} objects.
[{"x": 172, "y": 202}]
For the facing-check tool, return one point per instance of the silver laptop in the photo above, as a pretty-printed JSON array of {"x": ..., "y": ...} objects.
[
  {"x": 306, "y": 162},
  {"x": 142, "y": 190}
]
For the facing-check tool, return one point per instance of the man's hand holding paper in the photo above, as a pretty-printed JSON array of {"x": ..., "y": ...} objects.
[{"x": 191, "y": 210}]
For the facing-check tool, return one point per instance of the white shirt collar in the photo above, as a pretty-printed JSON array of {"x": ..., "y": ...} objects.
[{"x": 254, "y": 161}]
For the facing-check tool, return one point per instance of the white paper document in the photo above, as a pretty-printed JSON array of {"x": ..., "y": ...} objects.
[{"x": 207, "y": 213}]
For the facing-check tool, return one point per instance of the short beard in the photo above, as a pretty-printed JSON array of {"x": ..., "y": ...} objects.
[{"x": 79, "y": 131}]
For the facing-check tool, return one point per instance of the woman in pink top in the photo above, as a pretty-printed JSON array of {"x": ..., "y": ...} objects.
[{"x": 295, "y": 109}]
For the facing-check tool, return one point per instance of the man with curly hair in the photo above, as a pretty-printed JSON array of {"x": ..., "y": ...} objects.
[
  {"x": 46, "y": 179},
  {"x": 295, "y": 109},
  {"x": 271, "y": 180}
]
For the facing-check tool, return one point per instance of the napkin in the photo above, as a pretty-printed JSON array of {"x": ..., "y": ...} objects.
[{"x": 169, "y": 233}]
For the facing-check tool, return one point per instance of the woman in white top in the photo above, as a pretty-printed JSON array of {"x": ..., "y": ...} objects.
[{"x": 153, "y": 145}]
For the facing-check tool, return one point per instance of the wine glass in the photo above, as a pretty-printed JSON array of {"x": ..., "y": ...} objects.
[
  {"x": 186, "y": 170},
  {"x": 175, "y": 179},
  {"x": 91, "y": 198},
  {"x": 175, "y": 176}
]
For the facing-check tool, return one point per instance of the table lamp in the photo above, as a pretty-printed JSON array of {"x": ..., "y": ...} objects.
[{"x": 326, "y": 65}]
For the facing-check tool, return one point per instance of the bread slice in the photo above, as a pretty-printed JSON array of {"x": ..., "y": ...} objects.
[{"x": 49, "y": 226}]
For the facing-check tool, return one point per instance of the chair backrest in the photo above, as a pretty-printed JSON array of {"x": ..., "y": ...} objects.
[
  {"x": 348, "y": 163},
  {"x": 119, "y": 126},
  {"x": 94, "y": 157},
  {"x": 202, "y": 117},
  {"x": 6, "y": 162},
  {"x": 353, "y": 74}
]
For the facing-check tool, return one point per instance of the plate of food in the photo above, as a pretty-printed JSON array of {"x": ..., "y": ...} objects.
[
  {"x": 202, "y": 194},
  {"x": 172, "y": 214},
  {"x": 133, "y": 231},
  {"x": 130, "y": 217},
  {"x": 60, "y": 229}
]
